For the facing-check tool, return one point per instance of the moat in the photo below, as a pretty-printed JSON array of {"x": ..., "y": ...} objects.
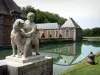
[{"x": 64, "y": 55}]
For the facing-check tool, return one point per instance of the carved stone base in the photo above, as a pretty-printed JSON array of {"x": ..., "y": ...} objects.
[
  {"x": 42, "y": 66},
  {"x": 25, "y": 60}
]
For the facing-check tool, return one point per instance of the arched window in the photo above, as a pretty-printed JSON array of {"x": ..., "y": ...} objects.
[
  {"x": 49, "y": 34},
  {"x": 67, "y": 33},
  {"x": 43, "y": 35},
  {"x": 60, "y": 36},
  {"x": 57, "y": 34}
]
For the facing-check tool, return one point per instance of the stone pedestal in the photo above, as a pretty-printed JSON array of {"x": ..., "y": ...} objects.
[
  {"x": 3, "y": 68},
  {"x": 25, "y": 60},
  {"x": 34, "y": 65}
]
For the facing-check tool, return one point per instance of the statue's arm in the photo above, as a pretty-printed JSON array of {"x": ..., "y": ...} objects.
[
  {"x": 33, "y": 30},
  {"x": 22, "y": 32}
]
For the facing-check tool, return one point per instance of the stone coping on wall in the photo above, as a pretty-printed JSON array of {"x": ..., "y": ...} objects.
[
  {"x": 2, "y": 62},
  {"x": 25, "y": 60},
  {"x": 42, "y": 66},
  {"x": 18, "y": 62}
]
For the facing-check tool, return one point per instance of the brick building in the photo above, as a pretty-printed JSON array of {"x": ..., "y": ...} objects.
[
  {"x": 6, "y": 19},
  {"x": 48, "y": 30},
  {"x": 69, "y": 30}
]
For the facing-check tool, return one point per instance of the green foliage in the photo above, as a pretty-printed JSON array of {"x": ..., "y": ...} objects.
[
  {"x": 50, "y": 36},
  {"x": 92, "y": 43},
  {"x": 87, "y": 32},
  {"x": 96, "y": 31},
  {"x": 60, "y": 36},
  {"x": 43, "y": 36},
  {"x": 55, "y": 60},
  {"x": 27, "y": 9},
  {"x": 92, "y": 32},
  {"x": 44, "y": 17}
]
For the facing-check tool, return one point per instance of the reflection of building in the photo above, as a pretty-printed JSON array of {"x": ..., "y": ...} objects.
[
  {"x": 73, "y": 52},
  {"x": 67, "y": 53}
]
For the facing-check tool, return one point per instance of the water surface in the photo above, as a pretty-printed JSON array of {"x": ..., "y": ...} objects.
[{"x": 65, "y": 55}]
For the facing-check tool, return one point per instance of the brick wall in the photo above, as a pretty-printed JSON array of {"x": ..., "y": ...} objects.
[
  {"x": 45, "y": 31},
  {"x": 62, "y": 31},
  {"x": 7, "y": 30},
  {"x": 1, "y": 29}
]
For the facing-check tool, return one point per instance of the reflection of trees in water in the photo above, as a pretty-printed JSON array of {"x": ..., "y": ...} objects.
[
  {"x": 52, "y": 46},
  {"x": 67, "y": 52},
  {"x": 92, "y": 43},
  {"x": 4, "y": 53},
  {"x": 64, "y": 49},
  {"x": 55, "y": 60}
]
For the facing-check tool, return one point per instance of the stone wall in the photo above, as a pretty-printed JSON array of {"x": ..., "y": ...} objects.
[
  {"x": 78, "y": 34},
  {"x": 40, "y": 67},
  {"x": 3, "y": 70},
  {"x": 43, "y": 67}
]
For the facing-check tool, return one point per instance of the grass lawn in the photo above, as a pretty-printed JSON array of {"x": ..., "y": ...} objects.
[
  {"x": 92, "y": 37},
  {"x": 84, "y": 68}
]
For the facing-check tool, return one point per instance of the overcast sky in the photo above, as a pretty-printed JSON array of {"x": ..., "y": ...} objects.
[{"x": 85, "y": 12}]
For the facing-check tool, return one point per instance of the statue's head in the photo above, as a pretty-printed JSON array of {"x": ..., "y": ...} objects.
[
  {"x": 19, "y": 23},
  {"x": 30, "y": 16}
]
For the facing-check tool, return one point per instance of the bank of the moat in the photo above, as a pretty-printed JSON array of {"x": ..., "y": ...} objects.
[{"x": 83, "y": 68}]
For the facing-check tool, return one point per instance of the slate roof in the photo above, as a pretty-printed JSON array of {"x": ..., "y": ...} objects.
[
  {"x": 70, "y": 23},
  {"x": 47, "y": 26},
  {"x": 8, "y": 5}
]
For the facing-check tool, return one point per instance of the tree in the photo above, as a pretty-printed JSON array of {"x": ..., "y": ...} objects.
[
  {"x": 43, "y": 35},
  {"x": 87, "y": 32},
  {"x": 27, "y": 9},
  {"x": 92, "y": 32},
  {"x": 44, "y": 17},
  {"x": 60, "y": 36},
  {"x": 46, "y": 20}
]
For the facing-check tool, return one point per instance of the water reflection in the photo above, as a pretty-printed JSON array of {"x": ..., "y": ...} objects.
[
  {"x": 64, "y": 54},
  {"x": 93, "y": 39},
  {"x": 92, "y": 43}
]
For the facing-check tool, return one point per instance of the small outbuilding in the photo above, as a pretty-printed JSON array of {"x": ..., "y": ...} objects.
[{"x": 70, "y": 29}]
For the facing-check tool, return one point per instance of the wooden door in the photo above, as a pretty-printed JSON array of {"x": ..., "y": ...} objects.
[{"x": 7, "y": 30}]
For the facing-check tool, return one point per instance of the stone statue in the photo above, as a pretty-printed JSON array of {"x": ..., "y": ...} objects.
[
  {"x": 91, "y": 58},
  {"x": 24, "y": 35},
  {"x": 16, "y": 38},
  {"x": 31, "y": 30}
]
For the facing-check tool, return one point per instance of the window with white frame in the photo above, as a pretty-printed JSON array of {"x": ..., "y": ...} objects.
[
  {"x": 57, "y": 33},
  {"x": 49, "y": 33},
  {"x": 67, "y": 33}
]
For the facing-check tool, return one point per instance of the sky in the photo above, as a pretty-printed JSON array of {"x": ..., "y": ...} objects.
[{"x": 85, "y": 12}]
